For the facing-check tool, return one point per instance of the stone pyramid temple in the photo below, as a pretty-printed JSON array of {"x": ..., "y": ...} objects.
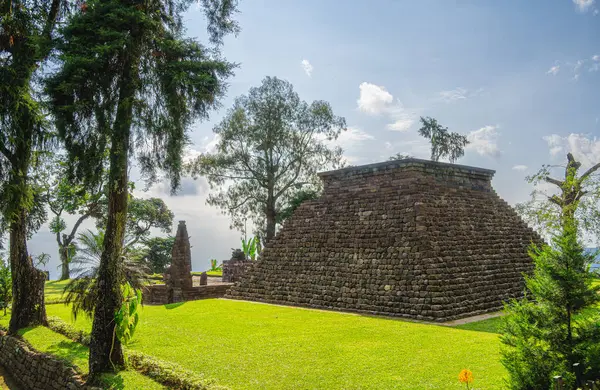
[{"x": 408, "y": 238}]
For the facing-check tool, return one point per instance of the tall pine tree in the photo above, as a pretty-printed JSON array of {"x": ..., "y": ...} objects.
[
  {"x": 557, "y": 324},
  {"x": 131, "y": 83},
  {"x": 26, "y": 40}
]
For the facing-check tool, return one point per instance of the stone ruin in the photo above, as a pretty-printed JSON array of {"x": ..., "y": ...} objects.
[
  {"x": 178, "y": 278},
  {"x": 178, "y": 275},
  {"x": 234, "y": 268},
  {"x": 408, "y": 238}
]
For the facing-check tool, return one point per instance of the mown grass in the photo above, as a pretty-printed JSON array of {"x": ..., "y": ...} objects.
[
  {"x": 54, "y": 291},
  {"x": 247, "y": 345},
  {"x": 491, "y": 325},
  {"x": 76, "y": 355}
]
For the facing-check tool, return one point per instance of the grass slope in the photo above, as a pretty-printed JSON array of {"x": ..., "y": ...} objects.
[
  {"x": 247, "y": 345},
  {"x": 75, "y": 354},
  {"x": 54, "y": 290}
]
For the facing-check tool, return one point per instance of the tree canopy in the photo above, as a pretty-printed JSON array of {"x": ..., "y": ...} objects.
[
  {"x": 544, "y": 210},
  {"x": 143, "y": 214},
  {"x": 556, "y": 324},
  {"x": 443, "y": 143},
  {"x": 130, "y": 84},
  {"x": 270, "y": 145},
  {"x": 26, "y": 40}
]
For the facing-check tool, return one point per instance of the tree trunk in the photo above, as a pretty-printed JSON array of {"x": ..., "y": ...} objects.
[
  {"x": 27, "y": 282},
  {"x": 28, "y": 307},
  {"x": 106, "y": 353},
  {"x": 64, "y": 262},
  {"x": 105, "y": 348}
]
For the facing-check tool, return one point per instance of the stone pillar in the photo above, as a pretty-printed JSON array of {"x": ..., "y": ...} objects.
[
  {"x": 203, "y": 279},
  {"x": 179, "y": 274}
]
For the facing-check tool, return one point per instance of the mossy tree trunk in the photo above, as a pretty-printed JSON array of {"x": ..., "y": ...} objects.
[
  {"x": 28, "y": 283},
  {"x": 105, "y": 349},
  {"x": 65, "y": 272}
]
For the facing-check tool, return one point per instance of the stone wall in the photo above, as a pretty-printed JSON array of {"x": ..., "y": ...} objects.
[
  {"x": 234, "y": 269},
  {"x": 409, "y": 238},
  {"x": 34, "y": 370},
  {"x": 158, "y": 294}
]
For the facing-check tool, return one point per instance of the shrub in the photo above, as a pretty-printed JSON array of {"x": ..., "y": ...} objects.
[
  {"x": 557, "y": 323},
  {"x": 169, "y": 374},
  {"x": 57, "y": 325}
]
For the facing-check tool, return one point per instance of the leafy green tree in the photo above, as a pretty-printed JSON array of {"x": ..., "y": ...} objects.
[
  {"x": 65, "y": 197},
  {"x": 443, "y": 143},
  {"x": 295, "y": 201},
  {"x": 556, "y": 324},
  {"x": 26, "y": 40},
  {"x": 156, "y": 253},
  {"x": 544, "y": 209},
  {"x": 142, "y": 216},
  {"x": 271, "y": 144},
  {"x": 128, "y": 81},
  {"x": 5, "y": 284}
]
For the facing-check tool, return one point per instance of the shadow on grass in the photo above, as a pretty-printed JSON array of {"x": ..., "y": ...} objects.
[
  {"x": 491, "y": 325},
  {"x": 69, "y": 351},
  {"x": 112, "y": 381},
  {"x": 171, "y": 306}
]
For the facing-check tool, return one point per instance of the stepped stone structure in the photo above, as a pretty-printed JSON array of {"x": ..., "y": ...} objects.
[{"x": 409, "y": 238}]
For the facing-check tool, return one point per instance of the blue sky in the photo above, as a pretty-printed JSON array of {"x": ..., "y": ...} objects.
[{"x": 519, "y": 77}]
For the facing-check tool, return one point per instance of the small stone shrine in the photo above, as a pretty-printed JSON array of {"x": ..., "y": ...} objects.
[
  {"x": 409, "y": 238},
  {"x": 178, "y": 275}
]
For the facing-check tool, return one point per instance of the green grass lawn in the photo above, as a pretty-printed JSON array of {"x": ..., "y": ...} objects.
[
  {"x": 75, "y": 354},
  {"x": 491, "y": 325},
  {"x": 249, "y": 346},
  {"x": 54, "y": 289}
]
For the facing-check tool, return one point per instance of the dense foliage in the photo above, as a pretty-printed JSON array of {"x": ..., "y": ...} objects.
[
  {"x": 81, "y": 292},
  {"x": 5, "y": 284},
  {"x": 270, "y": 144},
  {"x": 26, "y": 40},
  {"x": 130, "y": 84},
  {"x": 543, "y": 210},
  {"x": 557, "y": 324},
  {"x": 443, "y": 143},
  {"x": 156, "y": 253}
]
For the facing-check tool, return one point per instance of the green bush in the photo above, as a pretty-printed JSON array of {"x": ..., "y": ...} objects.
[
  {"x": 556, "y": 324},
  {"x": 171, "y": 375},
  {"x": 59, "y": 326}
]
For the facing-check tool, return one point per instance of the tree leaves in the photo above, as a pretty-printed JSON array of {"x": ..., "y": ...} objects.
[
  {"x": 443, "y": 143},
  {"x": 271, "y": 144}
]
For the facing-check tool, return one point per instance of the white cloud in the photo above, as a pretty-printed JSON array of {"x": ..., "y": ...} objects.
[
  {"x": 353, "y": 136},
  {"x": 596, "y": 57},
  {"x": 484, "y": 141},
  {"x": 583, "y": 5},
  {"x": 586, "y": 150},
  {"x": 554, "y": 70},
  {"x": 402, "y": 124},
  {"x": 453, "y": 95},
  {"x": 376, "y": 100},
  {"x": 520, "y": 167},
  {"x": 307, "y": 66}
]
